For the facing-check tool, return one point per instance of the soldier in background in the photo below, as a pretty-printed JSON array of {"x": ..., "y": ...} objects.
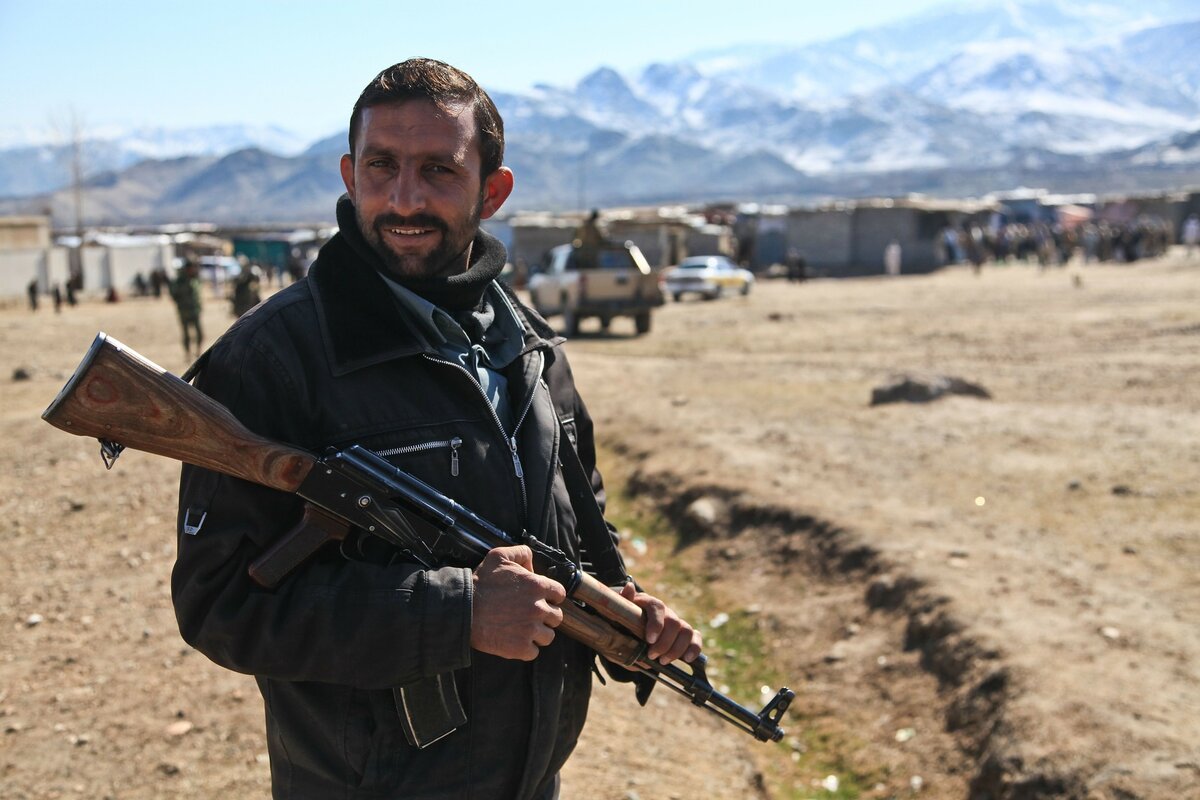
[
  {"x": 246, "y": 294},
  {"x": 589, "y": 238},
  {"x": 797, "y": 267},
  {"x": 159, "y": 281},
  {"x": 185, "y": 292}
]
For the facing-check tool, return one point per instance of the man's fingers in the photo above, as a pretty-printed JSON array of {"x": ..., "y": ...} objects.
[
  {"x": 655, "y": 616},
  {"x": 555, "y": 592},
  {"x": 543, "y": 636},
  {"x": 669, "y": 637},
  {"x": 667, "y": 647},
  {"x": 514, "y": 610},
  {"x": 552, "y": 614},
  {"x": 684, "y": 643},
  {"x": 517, "y": 553}
]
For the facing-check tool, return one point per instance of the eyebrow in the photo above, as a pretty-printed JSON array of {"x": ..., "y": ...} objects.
[{"x": 457, "y": 157}]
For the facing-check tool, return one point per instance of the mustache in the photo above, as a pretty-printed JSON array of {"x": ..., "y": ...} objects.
[{"x": 414, "y": 221}]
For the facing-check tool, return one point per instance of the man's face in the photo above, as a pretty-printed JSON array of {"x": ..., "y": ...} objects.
[{"x": 417, "y": 189}]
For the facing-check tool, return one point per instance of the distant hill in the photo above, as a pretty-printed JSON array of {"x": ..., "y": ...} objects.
[{"x": 965, "y": 98}]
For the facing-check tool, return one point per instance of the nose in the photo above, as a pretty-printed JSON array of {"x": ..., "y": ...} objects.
[{"x": 407, "y": 195}]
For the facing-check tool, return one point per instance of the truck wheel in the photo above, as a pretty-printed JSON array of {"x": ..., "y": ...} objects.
[
  {"x": 642, "y": 322},
  {"x": 678, "y": 296}
]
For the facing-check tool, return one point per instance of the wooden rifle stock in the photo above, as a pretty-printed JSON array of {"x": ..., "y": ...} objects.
[{"x": 118, "y": 396}]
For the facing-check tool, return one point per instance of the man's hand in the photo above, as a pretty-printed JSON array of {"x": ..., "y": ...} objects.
[
  {"x": 515, "y": 610},
  {"x": 669, "y": 636}
]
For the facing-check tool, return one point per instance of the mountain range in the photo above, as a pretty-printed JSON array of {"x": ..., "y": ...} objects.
[{"x": 960, "y": 100}]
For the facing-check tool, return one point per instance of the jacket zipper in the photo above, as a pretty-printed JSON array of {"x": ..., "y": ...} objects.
[
  {"x": 518, "y": 470},
  {"x": 453, "y": 444}
]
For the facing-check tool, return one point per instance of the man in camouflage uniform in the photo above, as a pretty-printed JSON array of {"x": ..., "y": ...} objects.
[{"x": 185, "y": 292}]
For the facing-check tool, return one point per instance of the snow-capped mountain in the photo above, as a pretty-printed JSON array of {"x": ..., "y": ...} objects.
[
  {"x": 1078, "y": 101},
  {"x": 38, "y": 161},
  {"x": 1169, "y": 53},
  {"x": 988, "y": 88},
  {"x": 880, "y": 55},
  {"x": 163, "y": 142},
  {"x": 212, "y": 140}
]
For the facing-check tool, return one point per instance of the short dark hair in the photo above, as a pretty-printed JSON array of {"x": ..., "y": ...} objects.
[{"x": 444, "y": 86}]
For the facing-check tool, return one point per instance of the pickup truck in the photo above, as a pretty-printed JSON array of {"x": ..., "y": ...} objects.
[{"x": 618, "y": 283}]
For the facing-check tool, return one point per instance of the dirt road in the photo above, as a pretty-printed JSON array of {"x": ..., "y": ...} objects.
[
  {"x": 979, "y": 596},
  {"x": 1041, "y": 546}
]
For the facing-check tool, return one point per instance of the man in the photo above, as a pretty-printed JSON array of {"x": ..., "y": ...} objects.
[
  {"x": 589, "y": 238},
  {"x": 246, "y": 289},
  {"x": 185, "y": 292},
  {"x": 1191, "y": 233},
  {"x": 401, "y": 340}
]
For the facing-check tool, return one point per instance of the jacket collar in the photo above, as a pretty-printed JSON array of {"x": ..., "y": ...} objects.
[
  {"x": 357, "y": 315},
  {"x": 356, "y": 312}
]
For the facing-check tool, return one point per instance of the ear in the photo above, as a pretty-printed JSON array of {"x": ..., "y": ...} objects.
[
  {"x": 496, "y": 189},
  {"x": 348, "y": 174}
]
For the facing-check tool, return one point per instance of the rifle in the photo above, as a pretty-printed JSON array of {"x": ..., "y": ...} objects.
[{"x": 125, "y": 400}]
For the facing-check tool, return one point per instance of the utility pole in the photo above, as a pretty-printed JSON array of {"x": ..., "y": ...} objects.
[
  {"x": 583, "y": 165},
  {"x": 77, "y": 172},
  {"x": 73, "y": 130}
]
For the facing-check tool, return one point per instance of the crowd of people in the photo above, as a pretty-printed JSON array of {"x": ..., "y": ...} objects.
[
  {"x": 1052, "y": 244},
  {"x": 185, "y": 290}
]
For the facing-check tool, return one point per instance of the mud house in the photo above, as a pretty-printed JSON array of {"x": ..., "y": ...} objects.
[
  {"x": 669, "y": 234},
  {"x": 848, "y": 239},
  {"x": 1170, "y": 208},
  {"x": 105, "y": 260},
  {"x": 533, "y": 235},
  {"x": 759, "y": 236},
  {"x": 113, "y": 260},
  {"x": 27, "y": 254},
  {"x": 24, "y": 233},
  {"x": 664, "y": 235},
  {"x": 707, "y": 239}
]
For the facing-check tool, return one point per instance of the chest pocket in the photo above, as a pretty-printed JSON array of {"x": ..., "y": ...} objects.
[{"x": 446, "y": 449}]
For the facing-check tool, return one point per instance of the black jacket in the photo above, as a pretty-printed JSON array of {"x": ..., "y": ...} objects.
[{"x": 329, "y": 362}]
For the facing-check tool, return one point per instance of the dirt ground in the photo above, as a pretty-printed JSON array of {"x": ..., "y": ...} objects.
[{"x": 972, "y": 597}]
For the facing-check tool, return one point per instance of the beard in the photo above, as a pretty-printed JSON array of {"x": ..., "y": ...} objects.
[{"x": 449, "y": 257}]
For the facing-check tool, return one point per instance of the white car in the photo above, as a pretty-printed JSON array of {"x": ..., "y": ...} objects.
[{"x": 708, "y": 276}]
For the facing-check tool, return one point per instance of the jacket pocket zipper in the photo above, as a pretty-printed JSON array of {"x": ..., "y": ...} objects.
[{"x": 453, "y": 444}]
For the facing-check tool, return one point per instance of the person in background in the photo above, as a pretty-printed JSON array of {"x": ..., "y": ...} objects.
[
  {"x": 185, "y": 293},
  {"x": 891, "y": 258},
  {"x": 246, "y": 289},
  {"x": 1191, "y": 233},
  {"x": 589, "y": 238}
]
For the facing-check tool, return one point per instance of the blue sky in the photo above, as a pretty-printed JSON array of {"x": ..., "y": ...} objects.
[{"x": 301, "y": 64}]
